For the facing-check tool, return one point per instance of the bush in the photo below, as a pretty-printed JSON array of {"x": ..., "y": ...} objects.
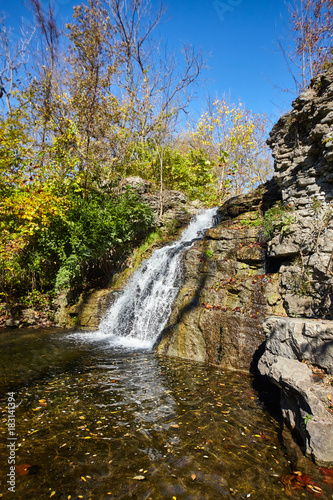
[{"x": 52, "y": 243}]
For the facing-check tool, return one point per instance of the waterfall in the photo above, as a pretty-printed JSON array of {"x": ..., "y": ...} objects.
[{"x": 140, "y": 313}]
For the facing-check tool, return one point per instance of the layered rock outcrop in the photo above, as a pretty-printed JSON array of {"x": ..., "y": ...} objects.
[
  {"x": 298, "y": 356},
  {"x": 302, "y": 147},
  {"x": 227, "y": 291}
]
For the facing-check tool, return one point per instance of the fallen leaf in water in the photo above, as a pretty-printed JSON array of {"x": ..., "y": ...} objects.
[
  {"x": 53, "y": 493},
  {"x": 139, "y": 478},
  {"x": 326, "y": 471},
  {"x": 328, "y": 475},
  {"x": 298, "y": 481},
  {"x": 23, "y": 469},
  {"x": 290, "y": 483},
  {"x": 174, "y": 426},
  {"x": 83, "y": 479},
  {"x": 26, "y": 469}
]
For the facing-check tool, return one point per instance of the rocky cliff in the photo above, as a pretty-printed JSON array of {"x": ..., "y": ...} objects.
[
  {"x": 299, "y": 352},
  {"x": 227, "y": 291},
  {"x": 244, "y": 289}
]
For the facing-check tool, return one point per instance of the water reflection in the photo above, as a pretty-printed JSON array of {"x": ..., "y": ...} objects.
[{"x": 119, "y": 424}]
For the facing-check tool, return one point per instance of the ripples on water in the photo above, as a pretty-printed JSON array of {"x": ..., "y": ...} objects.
[{"x": 105, "y": 422}]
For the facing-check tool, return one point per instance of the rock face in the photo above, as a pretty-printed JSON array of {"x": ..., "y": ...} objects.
[
  {"x": 299, "y": 349},
  {"x": 302, "y": 146},
  {"x": 299, "y": 359},
  {"x": 87, "y": 312},
  {"x": 227, "y": 293},
  {"x": 176, "y": 207}
]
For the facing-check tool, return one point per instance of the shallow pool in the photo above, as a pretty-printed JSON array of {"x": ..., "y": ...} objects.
[{"x": 98, "y": 421}]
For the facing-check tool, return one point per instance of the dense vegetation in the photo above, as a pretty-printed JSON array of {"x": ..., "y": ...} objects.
[{"x": 83, "y": 107}]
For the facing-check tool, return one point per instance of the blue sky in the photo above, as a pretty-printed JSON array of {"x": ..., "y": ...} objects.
[{"x": 240, "y": 36}]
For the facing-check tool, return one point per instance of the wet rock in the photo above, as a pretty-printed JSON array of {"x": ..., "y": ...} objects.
[
  {"x": 87, "y": 312},
  {"x": 12, "y": 323},
  {"x": 218, "y": 483},
  {"x": 171, "y": 490},
  {"x": 183, "y": 461},
  {"x": 94, "y": 307}
]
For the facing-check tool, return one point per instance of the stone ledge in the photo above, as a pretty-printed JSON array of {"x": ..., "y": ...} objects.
[{"x": 298, "y": 358}]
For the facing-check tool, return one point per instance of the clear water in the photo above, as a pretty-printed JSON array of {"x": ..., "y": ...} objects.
[{"x": 108, "y": 422}]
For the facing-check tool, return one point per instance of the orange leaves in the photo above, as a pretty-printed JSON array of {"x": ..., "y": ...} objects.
[
  {"x": 23, "y": 469},
  {"x": 298, "y": 481},
  {"x": 214, "y": 307},
  {"x": 218, "y": 307},
  {"x": 27, "y": 469},
  {"x": 328, "y": 473}
]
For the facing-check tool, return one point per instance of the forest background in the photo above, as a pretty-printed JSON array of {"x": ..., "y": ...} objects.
[{"x": 103, "y": 98}]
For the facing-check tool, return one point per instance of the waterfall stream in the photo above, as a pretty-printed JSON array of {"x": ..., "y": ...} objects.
[{"x": 140, "y": 313}]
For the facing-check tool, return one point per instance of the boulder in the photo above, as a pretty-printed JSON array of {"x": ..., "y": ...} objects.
[{"x": 298, "y": 358}]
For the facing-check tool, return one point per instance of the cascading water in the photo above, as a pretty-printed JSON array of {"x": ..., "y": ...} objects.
[{"x": 142, "y": 310}]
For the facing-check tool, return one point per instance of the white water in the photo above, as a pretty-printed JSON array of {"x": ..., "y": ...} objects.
[{"x": 139, "y": 315}]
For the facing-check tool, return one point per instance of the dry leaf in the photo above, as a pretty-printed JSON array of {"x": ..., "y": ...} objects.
[{"x": 23, "y": 469}]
